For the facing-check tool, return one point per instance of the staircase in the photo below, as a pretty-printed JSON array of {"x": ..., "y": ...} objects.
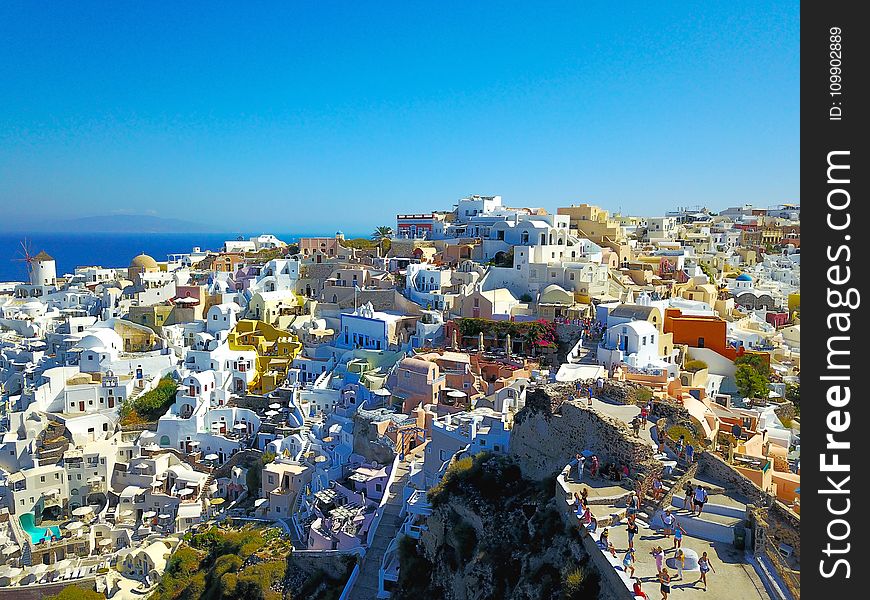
[{"x": 368, "y": 582}]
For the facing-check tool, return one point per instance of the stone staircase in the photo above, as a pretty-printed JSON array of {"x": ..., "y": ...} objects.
[{"x": 367, "y": 584}]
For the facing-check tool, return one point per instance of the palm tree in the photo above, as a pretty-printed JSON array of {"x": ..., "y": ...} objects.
[{"x": 381, "y": 234}]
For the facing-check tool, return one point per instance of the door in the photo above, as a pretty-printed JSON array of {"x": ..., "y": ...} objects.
[{"x": 82, "y": 406}]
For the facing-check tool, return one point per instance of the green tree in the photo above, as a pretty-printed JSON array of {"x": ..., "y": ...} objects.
[
  {"x": 750, "y": 383},
  {"x": 381, "y": 235}
]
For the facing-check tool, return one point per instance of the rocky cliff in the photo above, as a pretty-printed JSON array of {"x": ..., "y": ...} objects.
[{"x": 495, "y": 535}]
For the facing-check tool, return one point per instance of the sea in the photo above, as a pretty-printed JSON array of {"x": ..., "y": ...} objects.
[{"x": 110, "y": 250}]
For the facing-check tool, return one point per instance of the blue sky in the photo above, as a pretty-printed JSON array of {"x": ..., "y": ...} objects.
[{"x": 313, "y": 115}]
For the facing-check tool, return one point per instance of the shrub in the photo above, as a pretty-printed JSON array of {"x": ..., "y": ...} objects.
[
  {"x": 693, "y": 366},
  {"x": 151, "y": 405},
  {"x": 640, "y": 395},
  {"x": 675, "y": 431}
]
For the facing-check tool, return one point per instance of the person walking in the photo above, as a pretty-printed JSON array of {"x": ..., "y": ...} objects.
[
  {"x": 632, "y": 531},
  {"x": 705, "y": 566},
  {"x": 628, "y": 562},
  {"x": 635, "y": 425},
  {"x": 638, "y": 590},
  {"x": 689, "y": 502},
  {"x": 700, "y": 498},
  {"x": 668, "y": 520},
  {"x": 678, "y": 536},
  {"x": 658, "y": 489},
  {"x": 644, "y": 414},
  {"x": 665, "y": 581},
  {"x": 690, "y": 453},
  {"x": 659, "y": 554},
  {"x": 680, "y": 559}
]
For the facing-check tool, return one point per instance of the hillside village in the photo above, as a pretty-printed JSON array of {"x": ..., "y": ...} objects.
[{"x": 350, "y": 399}]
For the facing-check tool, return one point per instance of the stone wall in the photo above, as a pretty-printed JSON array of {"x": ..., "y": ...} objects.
[{"x": 551, "y": 430}]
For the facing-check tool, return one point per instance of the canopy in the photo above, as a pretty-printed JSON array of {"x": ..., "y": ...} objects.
[
  {"x": 75, "y": 525},
  {"x": 149, "y": 514},
  {"x": 211, "y": 457},
  {"x": 275, "y": 406},
  {"x": 82, "y": 511},
  {"x": 217, "y": 501}
]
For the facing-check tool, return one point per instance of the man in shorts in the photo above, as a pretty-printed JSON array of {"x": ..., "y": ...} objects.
[{"x": 700, "y": 498}]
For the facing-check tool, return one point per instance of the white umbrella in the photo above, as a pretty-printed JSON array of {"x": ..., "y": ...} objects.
[
  {"x": 271, "y": 413},
  {"x": 260, "y": 502},
  {"x": 164, "y": 516},
  {"x": 82, "y": 511},
  {"x": 149, "y": 515},
  {"x": 140, "y": 466},
  {"x": 193, "y": 443},
  {"x": 185, "y": 492},
  {"x": 75, "y": 525},
  {"x": 211, "y": 457},
  {"x": 240, "y": 426},
  {"x": 456, "y": 394},
  {"x": 382, "y": 392},
  {"x": 275, "y": 406}
]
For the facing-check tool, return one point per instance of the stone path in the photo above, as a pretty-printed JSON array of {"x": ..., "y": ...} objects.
[{"x": 366, "y": 586}]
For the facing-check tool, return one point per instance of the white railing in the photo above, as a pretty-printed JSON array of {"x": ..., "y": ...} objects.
[{"x": 345, "y": 594}]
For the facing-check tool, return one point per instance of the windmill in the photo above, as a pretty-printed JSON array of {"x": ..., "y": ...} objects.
[{"x": 26, "y": 257}]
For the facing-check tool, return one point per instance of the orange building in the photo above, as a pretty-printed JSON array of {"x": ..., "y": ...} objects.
[{"x": 700, "y": 331}]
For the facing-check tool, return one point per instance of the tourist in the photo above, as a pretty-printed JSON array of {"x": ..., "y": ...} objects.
[
  {"x": 704, "y": 565},
  {"x": 638, "y": 590},
  {"x": 689, "y": 502},
  {"x": 678, "y": 536},
  {"x": 605, "y": 544},
  {"x": 680, "y": 443},
  {"x": 633, "y": 505},
  {"x": 700, "y": 498},
  {"x": 593, "y": 468},
  {"x": 665, "y": 580},
  {"x": 625, "y": 471},
  {"x": 658, "y": 489},
  {"x": 659, "y": 554},
  {"x": 632, "y": 531},
  {"x": 584, "y": 493},
  {"x": 690, "y": 453},
  {"x": 578, "y": 461},
  {"x": 628, "y": 562},
  {"x": 644, "y": 413},
  {"x": 668, "y": 519},
  {"x": 680, "y": 560},
  {"x": 635, "y": 425},
  {"x": 589, "y": 392},
  {"x": 661, "y": 440}
]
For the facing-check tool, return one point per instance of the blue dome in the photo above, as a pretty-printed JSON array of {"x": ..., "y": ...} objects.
[{"x": 744, "y": 277}]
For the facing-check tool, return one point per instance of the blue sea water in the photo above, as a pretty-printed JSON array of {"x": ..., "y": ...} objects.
[{"x": 71, "y": 250}]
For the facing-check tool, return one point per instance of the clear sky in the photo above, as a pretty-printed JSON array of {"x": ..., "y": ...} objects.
[{"x": 318, "y": 115}]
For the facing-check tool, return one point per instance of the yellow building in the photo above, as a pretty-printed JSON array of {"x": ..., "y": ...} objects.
[
  {"x": 275, "y": 348},
  {"x": 593, "y": 223}
]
